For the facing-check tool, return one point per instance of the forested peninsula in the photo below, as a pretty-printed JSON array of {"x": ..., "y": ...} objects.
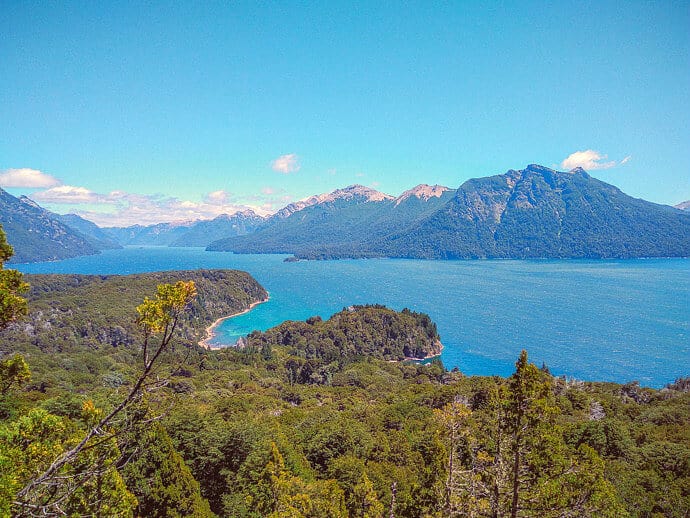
[{"x": 308, "y": 419}]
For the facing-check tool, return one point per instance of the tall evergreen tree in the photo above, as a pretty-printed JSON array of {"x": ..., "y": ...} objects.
[{"x": 12, "y": 286}]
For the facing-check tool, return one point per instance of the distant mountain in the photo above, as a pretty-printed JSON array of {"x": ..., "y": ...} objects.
[
  {"x": 92, "y": 232},
  {"x": 201, "y": 233},
  {"x": 160, "y": 234},
  {"x": 535, "y": 212},
  {"x": 342, "y": 223},
  {"x": 190, "y": 233},
  {"x": 37, "y": 234},
  {"x": 685, "y": 205}
]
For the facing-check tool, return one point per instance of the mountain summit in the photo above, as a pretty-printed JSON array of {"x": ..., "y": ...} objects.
[
  {"x": 423, "y": 192},
  {"x": 539, "y": 212},
  {"x": 353, "y": 193}
]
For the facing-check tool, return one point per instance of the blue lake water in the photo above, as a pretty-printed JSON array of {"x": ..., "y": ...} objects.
[{"x": 613, "y": 320}]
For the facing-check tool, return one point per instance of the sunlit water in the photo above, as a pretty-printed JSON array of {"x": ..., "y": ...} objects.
[{"x": 614, "y": 320}]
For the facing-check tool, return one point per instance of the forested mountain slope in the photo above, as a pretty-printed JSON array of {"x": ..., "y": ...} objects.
[
  {"x": 538, "y": 212},
  {"x": 92, "y": 232},
  {"x": 92, "y": 319},
  {"x": 37, "y": 234}
]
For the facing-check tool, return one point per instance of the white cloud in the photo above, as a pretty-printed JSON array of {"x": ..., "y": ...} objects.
[
  {"x": 286, "y": 164},
  {"x": 68, "y": 194},
  {"x": 121, "y": 208},
  {"x": 590, "y": 160},
  {"x": 28, "y": 178},
  {"x": 217, "y": 197}
]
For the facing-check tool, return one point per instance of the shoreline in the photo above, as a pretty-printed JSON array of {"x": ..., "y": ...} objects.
[
  {"x": 428, "y": 357},
  {"x": 419, "y": 360},
  {"x": 210, "y": 334}
]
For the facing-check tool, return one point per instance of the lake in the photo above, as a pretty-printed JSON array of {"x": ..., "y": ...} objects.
[{"x": 607, "y": 320}]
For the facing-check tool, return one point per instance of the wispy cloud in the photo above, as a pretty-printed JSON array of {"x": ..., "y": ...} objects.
[
  {"x": 286, "y": 164},
  {"x": 217, "y": 197},
  {"x": 68, "y": 194},
  {"x": 120, "y": 208},
  {"x": 27, "y": 178},
  {"x": 590, "y": 160}
]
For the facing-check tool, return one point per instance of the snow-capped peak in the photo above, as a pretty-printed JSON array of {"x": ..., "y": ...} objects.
[
  {"x": 423, "y": 192},
  {"x": 347, "y": 193}
]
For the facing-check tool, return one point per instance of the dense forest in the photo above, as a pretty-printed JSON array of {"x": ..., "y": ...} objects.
[{"x": 108, "y": 407}]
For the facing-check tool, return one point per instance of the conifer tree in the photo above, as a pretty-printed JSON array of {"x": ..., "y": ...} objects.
[
  {"x": 12, "y": 286},
  {"x": 367, "y": 502},
  {"x": 159, "y": 478}
]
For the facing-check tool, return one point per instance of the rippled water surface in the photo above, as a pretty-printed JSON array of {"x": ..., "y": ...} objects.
[{"x": 616, "y": 320}]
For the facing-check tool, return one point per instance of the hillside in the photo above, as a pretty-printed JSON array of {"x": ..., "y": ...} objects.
[
  {"x": 93, "y": 316},
  {"x": 160, "y": 234},
  {"x": 202, "y": 233},
  {"x": 538, "y": 213},
  {"x": 92, "y": 232},
  {"x": 354, "y": 333},
  {"x": 37, "y": 234}
]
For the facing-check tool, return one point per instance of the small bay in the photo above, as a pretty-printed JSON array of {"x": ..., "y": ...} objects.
[{"x": 607, "y": 320}]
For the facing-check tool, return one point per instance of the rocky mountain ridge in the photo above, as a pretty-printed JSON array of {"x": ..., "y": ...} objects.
[{"x": 37, "y": 234}]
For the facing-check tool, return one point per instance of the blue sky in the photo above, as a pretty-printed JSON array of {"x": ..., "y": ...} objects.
[{"x": 152, "y": 111}]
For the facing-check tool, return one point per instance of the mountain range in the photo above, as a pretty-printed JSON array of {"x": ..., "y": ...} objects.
[
  {"x": 193, "y": 233},
  {"x": 534, "y": 212}
]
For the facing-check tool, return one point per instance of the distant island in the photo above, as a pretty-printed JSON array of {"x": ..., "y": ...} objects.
[{"x": 534, "y": 212}]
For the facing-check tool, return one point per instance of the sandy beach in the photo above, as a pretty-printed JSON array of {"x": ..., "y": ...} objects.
[{"x": 205, "y": 343}]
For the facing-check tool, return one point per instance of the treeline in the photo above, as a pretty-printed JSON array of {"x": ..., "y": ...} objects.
[{"x": 247, "y": 433}]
